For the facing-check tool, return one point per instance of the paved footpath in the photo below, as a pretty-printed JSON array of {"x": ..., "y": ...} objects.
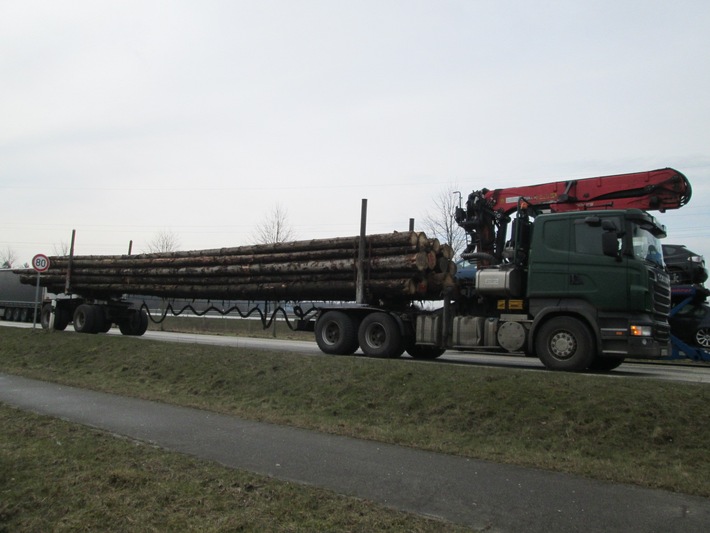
[{"x": 480, "y": 494}]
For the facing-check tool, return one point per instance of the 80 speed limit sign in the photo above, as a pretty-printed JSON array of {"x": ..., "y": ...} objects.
[{"x": 40, "y": 263}]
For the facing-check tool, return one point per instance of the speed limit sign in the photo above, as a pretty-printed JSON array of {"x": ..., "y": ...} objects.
[{"x": 40, "y": 263}]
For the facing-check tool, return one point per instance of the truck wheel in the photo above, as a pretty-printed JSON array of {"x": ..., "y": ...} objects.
[
  {"x": 86, "y": 320},
  {"x": 379, "y": 336},
  {"x": 336, "y": 333},
  {"x": 565, "y": 343},
  {"x": 424, "y": 352}
]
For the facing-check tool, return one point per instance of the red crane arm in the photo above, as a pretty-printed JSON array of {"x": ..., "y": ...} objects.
[
  {"x": 655, "y": 190},
  {"x": 487, "y": 212}
]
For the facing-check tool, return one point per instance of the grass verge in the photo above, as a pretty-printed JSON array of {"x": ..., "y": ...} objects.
[
  {"x": 56, "y": 476},
  {"x": 645, "y": 432}
]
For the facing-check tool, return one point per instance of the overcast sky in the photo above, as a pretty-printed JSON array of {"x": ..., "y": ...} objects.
[{"x": 121, "y": 119}]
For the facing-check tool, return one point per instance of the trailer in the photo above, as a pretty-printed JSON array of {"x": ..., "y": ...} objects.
[
  {"x": 17, "y": 300},
  {"x": 569, "y": 271}
]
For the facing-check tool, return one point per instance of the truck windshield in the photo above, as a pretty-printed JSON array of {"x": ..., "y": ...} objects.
[{"x": 647, "y": 246}]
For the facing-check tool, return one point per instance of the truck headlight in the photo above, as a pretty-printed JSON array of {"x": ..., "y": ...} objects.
[{"x": 641, "y": 331}]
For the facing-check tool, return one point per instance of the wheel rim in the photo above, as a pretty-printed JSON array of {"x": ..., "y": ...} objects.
[
  {"x": 702, "y": 337},
  {"x": 80, "y": 320},
  {"x": 375, "y": 335},
  {"x": 563, "y": 345},
  {"x": 331, "y": 334}
]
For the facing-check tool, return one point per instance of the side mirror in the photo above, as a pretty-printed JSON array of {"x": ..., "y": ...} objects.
[{"x": 610, "y": 244}]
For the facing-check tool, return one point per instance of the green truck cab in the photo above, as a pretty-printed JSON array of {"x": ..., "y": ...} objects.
[{"x": 596, "y": 289}]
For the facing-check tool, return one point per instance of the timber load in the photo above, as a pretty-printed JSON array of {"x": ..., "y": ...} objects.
[{"x": 397, "y": 266}]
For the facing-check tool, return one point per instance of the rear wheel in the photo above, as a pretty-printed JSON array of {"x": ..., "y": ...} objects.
[
  {"x": 336, "y": 333},
  {"x": 565, "y": 343},
  {"x": 135, "y": 323},
  {"x": 61, "y": 318},
  {"x": 86, "y": 319},
  {"x": 380, "y": 336}
]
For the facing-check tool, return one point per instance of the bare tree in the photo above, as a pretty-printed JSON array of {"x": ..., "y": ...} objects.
[
  {"x": 440, "y": 221},
  {"x": 164, "y": 241},
  {"x": 275, "y": 227},
  {"x": 8, "y": 258},
  {"x": 61, "y": 249}
]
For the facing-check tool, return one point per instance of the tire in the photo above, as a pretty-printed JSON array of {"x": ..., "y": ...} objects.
[
  {"x": 135, "y": 324},
  {"x": 379, "y": 336},
  {"x": 425, "y": 352},
  {"x": 86, "y": 320},
  {"x": 101, "y": 324},
  {"x": 565, "y": 343},
  {"x": 702, "y": 338},
  {"x": 605, "y": 364},
  {"x": 61, "y": 318},
  {"x": 336, "y": 333},
  {"x": 44, "y": 315}
]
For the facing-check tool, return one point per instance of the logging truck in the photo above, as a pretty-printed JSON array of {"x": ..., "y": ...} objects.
[{"x": 570, "y": 272}]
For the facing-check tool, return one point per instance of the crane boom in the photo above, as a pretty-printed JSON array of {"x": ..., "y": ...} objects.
[{"x": 487, "y": 212}]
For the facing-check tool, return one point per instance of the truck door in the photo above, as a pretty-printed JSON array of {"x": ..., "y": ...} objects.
[
  {"x": 593, "y": 276},
  {"x": 548, "y": 266}
]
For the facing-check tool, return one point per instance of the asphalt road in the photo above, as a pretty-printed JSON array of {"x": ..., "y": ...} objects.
[{"x": 480, "y": 494}]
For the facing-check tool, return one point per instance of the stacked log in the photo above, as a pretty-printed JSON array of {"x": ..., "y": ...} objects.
[{"x": 398, "y": 266}]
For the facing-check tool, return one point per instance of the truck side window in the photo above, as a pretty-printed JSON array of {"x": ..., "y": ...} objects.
[
  {"x": 587, "y": 239},
  {"x": 556, "y": 235}
]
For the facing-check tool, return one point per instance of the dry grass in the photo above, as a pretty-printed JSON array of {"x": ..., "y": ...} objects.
[{"x": 56, "y": 476}]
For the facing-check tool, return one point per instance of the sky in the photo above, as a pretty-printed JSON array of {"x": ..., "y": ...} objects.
[{"x": 125, "y": 119}]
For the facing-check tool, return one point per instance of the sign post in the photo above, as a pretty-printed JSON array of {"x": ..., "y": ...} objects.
[{"x": 40, "y": 263}]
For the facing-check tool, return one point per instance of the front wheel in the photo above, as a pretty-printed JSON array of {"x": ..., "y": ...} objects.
[
  {"x": 565, "y": 343},
  {"x": 380, "y": 336}
]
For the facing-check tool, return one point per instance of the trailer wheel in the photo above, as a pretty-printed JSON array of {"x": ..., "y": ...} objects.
[
  {"x": 425, "y": 352},
  {"x": 61, "y": 318},
  {"x": 379, "y": 336},
  {"x": 44, "y": 315},
  {"x": 135, "y": 324},
  {"x": 565, "y": 343},
  {"x": 102, "y": 324},
  {"x": 336, "y": 333},
  {"x": 86, "y": 319}
]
